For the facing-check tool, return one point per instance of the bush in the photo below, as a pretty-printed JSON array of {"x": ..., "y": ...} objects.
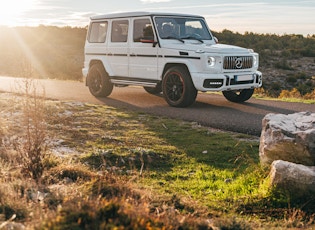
[
  {"x": 291, "y": 79},
  {"x": 294, "y": 93},
  {"x": 310, "y": 96},
  {"x": 283, "y": 64}
]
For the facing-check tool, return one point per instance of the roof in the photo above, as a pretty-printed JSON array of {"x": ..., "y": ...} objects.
[{"x": 140, "y": 14}]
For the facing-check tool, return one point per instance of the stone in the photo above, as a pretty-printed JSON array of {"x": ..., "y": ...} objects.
[
  {"x": 297, "y": 179},
  {"x": 12, "y": 226},
  {"x": 288, "y": 137}
]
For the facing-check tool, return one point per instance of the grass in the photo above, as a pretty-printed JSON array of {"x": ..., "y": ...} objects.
[
  {"x": 287, "y": 99},
  {"x": 136, "y": 171},
  {"x": 287, "y": 95}
]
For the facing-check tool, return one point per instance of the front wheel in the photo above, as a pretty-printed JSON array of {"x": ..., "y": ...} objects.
[
  {"x": 239, "y": 95},
  {"x": 177, "y": 87},
  {"x": 98, "y": 81}
]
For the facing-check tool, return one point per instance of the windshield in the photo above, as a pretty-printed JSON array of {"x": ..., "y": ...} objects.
[{"x": 182, "y": 28}]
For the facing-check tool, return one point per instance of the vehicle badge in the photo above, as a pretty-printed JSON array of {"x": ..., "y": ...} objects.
[{"x": 238, "y": 63}]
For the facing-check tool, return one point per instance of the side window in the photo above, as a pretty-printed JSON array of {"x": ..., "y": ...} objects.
[
  {"x": 119, "y": 31},
  {"x": 98, "y": 32},
  {"x": 142, "y": 29}
]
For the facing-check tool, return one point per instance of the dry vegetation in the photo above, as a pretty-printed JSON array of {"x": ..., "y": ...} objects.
[
  {"x": 48, "y": 183},
  {"x": 67, "y": 165}
]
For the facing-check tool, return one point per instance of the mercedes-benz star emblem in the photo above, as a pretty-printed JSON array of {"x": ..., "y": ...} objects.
[{"x": 238, "y": 63}]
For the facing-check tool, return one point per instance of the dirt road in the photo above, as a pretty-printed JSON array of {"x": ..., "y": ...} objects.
[{"x": 211, "y": 110}]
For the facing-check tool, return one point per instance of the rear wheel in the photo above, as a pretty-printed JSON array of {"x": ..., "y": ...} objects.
[
  {"x": 98, "y": 81},
  {"x": 239, "y": 95},
  {"x": 177, "y": 87}
]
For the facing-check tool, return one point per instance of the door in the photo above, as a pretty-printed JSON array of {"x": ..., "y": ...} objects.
[
  {"x": 143, "y": 51},
  {"x": 118, "y": 50}
]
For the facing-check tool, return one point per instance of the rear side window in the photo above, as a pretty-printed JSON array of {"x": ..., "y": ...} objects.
[
  {"x": 119, "y": 31},
  {"x": 98, "y": 32},
  {"x": 142, "y": 30}
]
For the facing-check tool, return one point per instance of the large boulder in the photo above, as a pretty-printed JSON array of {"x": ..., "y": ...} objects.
[
  {"x": 297, "y": 179},
  {"x": 289, "y": 138}
]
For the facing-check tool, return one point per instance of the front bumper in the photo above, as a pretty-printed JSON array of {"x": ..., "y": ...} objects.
[{"x": 226, "y": 81}]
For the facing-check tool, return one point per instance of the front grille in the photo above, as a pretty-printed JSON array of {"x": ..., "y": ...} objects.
[{"x": 238, "y": 62}]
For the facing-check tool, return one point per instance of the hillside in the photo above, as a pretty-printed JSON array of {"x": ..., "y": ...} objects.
[{"x": 287, "y": 61}]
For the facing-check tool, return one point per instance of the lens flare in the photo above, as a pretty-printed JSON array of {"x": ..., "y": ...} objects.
[{"x": 12, "y": 9}]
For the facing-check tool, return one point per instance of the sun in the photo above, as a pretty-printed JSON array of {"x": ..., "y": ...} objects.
[{"x": 11, "y": 10}]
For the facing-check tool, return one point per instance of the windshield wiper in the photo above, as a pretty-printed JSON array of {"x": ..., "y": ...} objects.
[
  {"x": 176, "y": 38},
  {"x": 192, "y": 37}
]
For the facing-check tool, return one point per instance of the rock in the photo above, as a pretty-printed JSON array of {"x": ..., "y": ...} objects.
[
  {"x": 12, "y": 226},
  {"x": 289, "y": 138},
  {"x": 297, "y": 179}
]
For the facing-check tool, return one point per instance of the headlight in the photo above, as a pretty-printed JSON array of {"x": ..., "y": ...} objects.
[
  {"x": 256, "y": 60},
  {"x": 211, "y": 61}
]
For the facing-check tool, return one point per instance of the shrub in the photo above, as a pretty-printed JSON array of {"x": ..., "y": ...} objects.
[
  {"x": 294, "y": 93},
  {"x": 310, "y": 96},
  {"x": 30, "y": 143},
  {"x": 283, "y": 64},
  {"x": 291, "y": 79}
]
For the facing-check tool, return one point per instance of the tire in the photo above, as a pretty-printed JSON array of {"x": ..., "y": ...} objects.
[
  {"x": 153, "y": 90},
  {"x": 98, "y": 81},
  {"x": 177, "y": 87},
  {"x": 238, "y": 96}
]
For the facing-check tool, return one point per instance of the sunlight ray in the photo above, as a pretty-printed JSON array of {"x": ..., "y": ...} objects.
[{"x": 27, "y": 57}]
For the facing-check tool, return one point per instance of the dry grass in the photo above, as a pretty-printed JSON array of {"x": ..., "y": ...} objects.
[
  {"x": 64, "y": 193},
  {"x": 103, "y": 176}
]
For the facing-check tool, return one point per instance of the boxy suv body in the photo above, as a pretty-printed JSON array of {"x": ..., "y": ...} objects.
[{"x": 175, "y": 54}]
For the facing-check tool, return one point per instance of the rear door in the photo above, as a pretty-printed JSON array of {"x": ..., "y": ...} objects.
[{"x": 118, "y": 47}]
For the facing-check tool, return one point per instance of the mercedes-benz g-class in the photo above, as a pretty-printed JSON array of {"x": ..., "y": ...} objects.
[{"x": 174, "y": 54}]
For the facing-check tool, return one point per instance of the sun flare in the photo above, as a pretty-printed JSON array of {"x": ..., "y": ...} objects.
[{"x": 11, "y": 10}]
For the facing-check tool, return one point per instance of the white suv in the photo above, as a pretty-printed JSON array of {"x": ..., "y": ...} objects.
[{"x": 175, "y": 54}]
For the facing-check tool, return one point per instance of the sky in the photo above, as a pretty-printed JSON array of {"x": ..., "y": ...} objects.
[{"x": 264, "y": 17}]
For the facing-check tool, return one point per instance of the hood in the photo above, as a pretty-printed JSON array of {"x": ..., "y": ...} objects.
[
  {"x": 206, "y": 48},
  {"x": 222, "y": 48}
]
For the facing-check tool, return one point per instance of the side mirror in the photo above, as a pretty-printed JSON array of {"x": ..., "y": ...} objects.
[
  {"x": 216, "y": 40},
  {"x": 149, "y": 40}
]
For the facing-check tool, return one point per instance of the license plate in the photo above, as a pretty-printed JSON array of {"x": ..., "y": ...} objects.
[{"x": 244, "y": 78}]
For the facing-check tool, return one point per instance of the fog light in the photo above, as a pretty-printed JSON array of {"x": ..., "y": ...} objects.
[{"x": 213, "y": 83}]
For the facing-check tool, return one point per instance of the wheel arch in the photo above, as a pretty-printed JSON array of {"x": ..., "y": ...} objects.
[
  {"x": 104, "y": 63},
  {"x": 170, "y": 65},
  {"x": 95, "y": 62}
]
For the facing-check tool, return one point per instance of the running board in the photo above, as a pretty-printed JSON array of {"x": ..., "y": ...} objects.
[{"x": 138, "y": 83}]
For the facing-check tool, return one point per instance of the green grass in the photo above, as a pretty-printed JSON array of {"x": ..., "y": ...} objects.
[{"x": 215, "y": 169}]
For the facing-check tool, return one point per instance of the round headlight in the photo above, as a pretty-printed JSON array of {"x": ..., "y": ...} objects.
[
  {"x": 211, "y": 61},
  {"x": 255, "y": 60}
]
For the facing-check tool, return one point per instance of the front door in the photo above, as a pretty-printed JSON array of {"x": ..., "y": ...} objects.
[{"x": 143, "y": 53}]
